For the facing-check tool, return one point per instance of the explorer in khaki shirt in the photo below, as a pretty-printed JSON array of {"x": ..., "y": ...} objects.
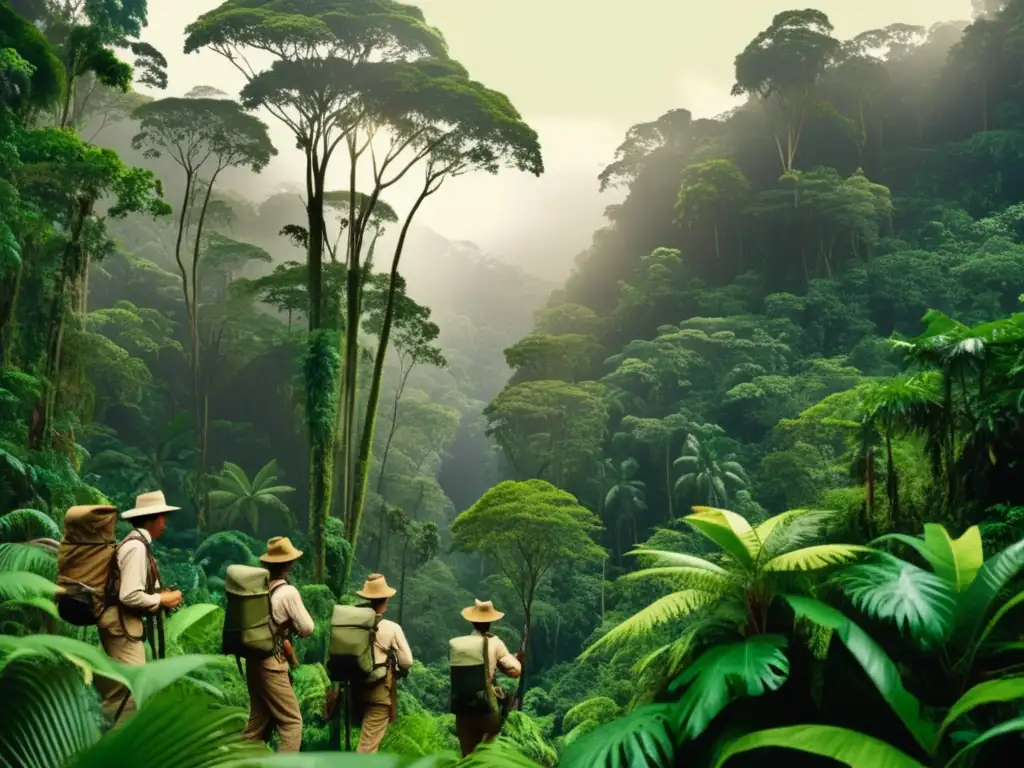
[
  {"x": 272, "y": 701},
  {"x": 134, "y": 595}
]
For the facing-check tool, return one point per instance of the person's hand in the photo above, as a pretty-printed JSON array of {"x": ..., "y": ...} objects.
[
  {"x": 520, "y": 657},
  {"x": 331, "y": 703},
  {"x": 170, "y": 599}
]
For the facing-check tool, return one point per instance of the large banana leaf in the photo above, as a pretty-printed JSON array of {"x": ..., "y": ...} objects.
[
  {"x": 726, "y": 672},
  {"x": 882, "y": 671},
  {"x": 976, "y": 601},
  {"x": 956, "y": 560},
  {"x": 52, "y": 720},
  {"x": 729, "y": 531},
  {"x": 643, "y": 737},
  {"x": 840, "y": 744},
  {"x": 920, "y": 603}
]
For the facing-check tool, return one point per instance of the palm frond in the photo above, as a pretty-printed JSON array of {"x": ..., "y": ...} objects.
[
  {"x": 690, "y": 578},
  {"x": 665, "y": 609},
  {"x": 53, "y": 720},
  {"x": 268, "y": 473},
  {"x": 22, "y": 585},
  {"x": 664, "y": 557},
  {"x": 920, "y": 603},
  {"x": 816, "y": 557},
  {"x": 792, "y": 530},
  {"x": 28, "y": 557},
  {"x": 24, "y": 524},
  {"x": 234, "y": 475}
]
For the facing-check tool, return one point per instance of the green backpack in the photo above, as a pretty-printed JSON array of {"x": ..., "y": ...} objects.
[
  {"x": 353, "y": 634},
  {"x": 247, "y": 631},
  {"x": 472, "y": 691}
]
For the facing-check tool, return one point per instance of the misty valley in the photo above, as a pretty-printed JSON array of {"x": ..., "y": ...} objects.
[{"x": 292, "y": 474}]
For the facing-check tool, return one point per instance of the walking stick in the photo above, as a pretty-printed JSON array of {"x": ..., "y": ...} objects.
[{"x": 515, "y": 703}]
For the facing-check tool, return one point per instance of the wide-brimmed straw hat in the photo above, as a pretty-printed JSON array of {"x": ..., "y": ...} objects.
[
  {"x": 146, "y": 504},
  {"x": 483, "y": 612},
  {"x": 376, "y": 588},
  {"x": 280, "y": 550}
]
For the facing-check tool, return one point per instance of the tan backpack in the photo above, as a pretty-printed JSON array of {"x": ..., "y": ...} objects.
[{"x": 86, "y": 552}]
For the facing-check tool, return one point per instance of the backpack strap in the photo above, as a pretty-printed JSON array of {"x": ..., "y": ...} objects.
[{"x": 154, "y": 635}]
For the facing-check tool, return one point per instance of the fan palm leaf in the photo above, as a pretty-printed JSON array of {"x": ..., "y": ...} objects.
[
  {"x": 921, "y": 604},
  {"x": 725, "y": 672},
  {"x": 643, "y": 737}
]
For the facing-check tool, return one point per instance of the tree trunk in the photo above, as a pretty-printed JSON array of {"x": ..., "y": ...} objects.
[
  {"x": 892, "y": 484},
  {"x": 366, "y": 442},
  {"x": 870, "y": 492},
  {"x": 668, "y": 482}
]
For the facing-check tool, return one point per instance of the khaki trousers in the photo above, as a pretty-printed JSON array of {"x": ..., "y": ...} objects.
[
  {"x": 375, "y": 703},
  {"x": 272, "y": 704},
  {"x": 474, "y": 730},
  {"x": 127, "y": 651}
]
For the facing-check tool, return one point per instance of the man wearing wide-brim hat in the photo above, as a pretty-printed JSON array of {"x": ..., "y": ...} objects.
[
  {"x": 475, "y": 728},
  {"x": 134, "y": 600},
  {"x": 272, "y": 701},
  {"x": 378, "y": 700}
]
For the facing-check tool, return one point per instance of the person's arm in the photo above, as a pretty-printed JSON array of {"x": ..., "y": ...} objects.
[
  {"x": 301, "y": 621},
  {"x": 403, "y": 654},
  {"x": 133, "y": 565},
  {"x": 507, "y": 663}
]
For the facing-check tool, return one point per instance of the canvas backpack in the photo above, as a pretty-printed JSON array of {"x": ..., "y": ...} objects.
[
  {"x": 87, "y": 550},
  {"x": 472, "y": 690},
  {"x": 353, "y": 636},
  {"x": 248, "y": 632}
]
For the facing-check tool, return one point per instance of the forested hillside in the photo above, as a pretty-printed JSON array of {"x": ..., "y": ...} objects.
[{"x": 744, "y": 486}]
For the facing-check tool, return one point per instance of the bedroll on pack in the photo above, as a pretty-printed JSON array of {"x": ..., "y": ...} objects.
[
  {"x": 353, "y": 635},
  {"x": 247, "y": 630},
  {"x": 472, "y": 692},
  {"x": 83, "y": 562}
]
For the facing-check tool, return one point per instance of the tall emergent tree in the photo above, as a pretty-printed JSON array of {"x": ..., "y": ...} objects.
[
  {"x": 204, "y": 137},
  {"x": 355, "y": 71},
  {"x": 782, "y": 66},
  {"x": 526, "y": 529}
]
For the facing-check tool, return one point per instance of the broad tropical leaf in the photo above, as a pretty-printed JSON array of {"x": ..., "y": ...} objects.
[
  {"x": 183, "y": 620},
  {"x": 1003, "y": 729},
  {"x": 998, "y": 616},
  {"x": 726, "y": 672},
  {"x": 22, "y": 585},
  {"x": 500, "y": 753},
  {"x": 643, "y": 737},
  {"x": 920, "y": 603},
  {"x": 816, "y": 557},
  {"x": 53, "y": 720},
  {"x": 729, "y": 530},
  {"x": 176, "y": 730},
  {"x": 840, "y": 744},
  {"x": 976, "y": 600},
  {"x": 663, "y": 610},
  {"x": 882, "y": 671},
  {"x": 956, "y": 560},
  {"x": 991, "y": 692}
]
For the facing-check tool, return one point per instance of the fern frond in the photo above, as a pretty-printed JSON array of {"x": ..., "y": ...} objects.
[{"x": 691, "y": 578}]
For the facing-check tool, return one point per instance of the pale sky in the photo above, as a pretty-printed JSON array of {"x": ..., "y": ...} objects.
[{"x": 580, "y": 75}]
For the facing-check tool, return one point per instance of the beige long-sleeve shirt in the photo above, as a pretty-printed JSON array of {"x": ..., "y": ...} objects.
[
  {"x": 287, "y": 609},
  {"x": 134, "y": 567},
  {"x": 499, "y": 657},
  {"x": 390, "y": 637}
]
